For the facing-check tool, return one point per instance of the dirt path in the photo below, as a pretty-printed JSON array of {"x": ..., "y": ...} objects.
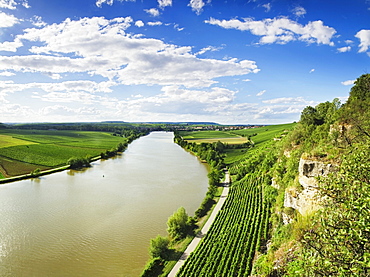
[{"x": 194, "y": 243}]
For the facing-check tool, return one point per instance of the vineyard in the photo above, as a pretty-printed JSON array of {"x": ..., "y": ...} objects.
[{"x": 229, "y": 247}]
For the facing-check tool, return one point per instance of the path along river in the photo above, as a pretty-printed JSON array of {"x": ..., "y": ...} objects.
[{"x": 98, "y": 222}]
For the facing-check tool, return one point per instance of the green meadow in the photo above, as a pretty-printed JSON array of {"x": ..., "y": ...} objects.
[{"x": 22, "y": 151}]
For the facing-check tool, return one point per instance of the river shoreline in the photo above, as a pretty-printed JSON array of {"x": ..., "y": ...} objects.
[{"x": 43, "y": 173}]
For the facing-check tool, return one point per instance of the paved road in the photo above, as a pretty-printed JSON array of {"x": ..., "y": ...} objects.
[{"x": 194, "y": 243}]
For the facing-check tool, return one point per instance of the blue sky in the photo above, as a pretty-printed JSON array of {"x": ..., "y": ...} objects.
[{"x": 231, "y": 62}]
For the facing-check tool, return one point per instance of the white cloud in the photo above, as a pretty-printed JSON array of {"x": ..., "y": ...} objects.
[
  {"x": 344, "y": 49},
  {"x": 206, "y": 49},
  {"x": 364, "y": 37},
  {"x": 267, "y": 7},
  {"x": 348, "y": 82},
  {"x": 152, "y": 12},
  {"x": 286, "y": 100},
  {"x": 100, "y": 2},
  {"x": 68, "y": 86},
  {"x": 139, "y": 23},
  {"x": 25, "y": 4},
  {"x": 299, "y": 11},
  {"x": 280, "y": 30},
  {"x": 7, "y": 20},
  {"x": 99, "y": 46},
  {"x": 262, "y": 92},
  {"x": 312, "y": 70},
  {"x": 8, "y": 4},
  {"x": 10, "y": 46},
  {"x": 156, "y": 23},
  {"x": 7, "y": 73},
  {"x": 196, "y": 5},
  {"x": 164, "y": 3},
  {"x": 247, "y": 80},
  {"x": 38, "y": 22}
]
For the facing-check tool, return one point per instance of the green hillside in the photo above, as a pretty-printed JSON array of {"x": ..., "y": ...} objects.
[{"x": 326, "y": 158}]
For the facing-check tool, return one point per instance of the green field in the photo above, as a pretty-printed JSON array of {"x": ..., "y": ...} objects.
[
  {"x": 22, "y": 151},
  {"x": 266, "y": 133},
  {"x": 259, "y": 137},
  {"x": 213, "y": 136},
  {"x": 195, "y": 135}
]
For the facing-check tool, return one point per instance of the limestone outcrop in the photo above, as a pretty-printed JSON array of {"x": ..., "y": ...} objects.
[{"x": 307, "y": 200}]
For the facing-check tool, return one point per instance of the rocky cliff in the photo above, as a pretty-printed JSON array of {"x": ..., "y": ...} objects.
[{"x": 306, "y": 199}]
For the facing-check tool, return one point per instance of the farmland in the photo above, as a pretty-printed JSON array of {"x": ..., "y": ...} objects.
[
  {"x": 257, "y": 137},
  {"x": 228, "y": 248},
  {"x": 22, "y": 151}
]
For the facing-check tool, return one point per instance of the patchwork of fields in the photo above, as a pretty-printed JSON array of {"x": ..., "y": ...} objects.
[
  {"x": 22, "y": 151},
  {"x": 259, "y": 137}
]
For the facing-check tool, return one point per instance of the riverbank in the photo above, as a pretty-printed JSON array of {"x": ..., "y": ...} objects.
[
  {"x": 40, "y": 173},
  {"x": 197, "y": 239}
]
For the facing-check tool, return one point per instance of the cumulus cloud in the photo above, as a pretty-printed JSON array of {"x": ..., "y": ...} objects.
[
  {"x": 299, "y": 11},
  {"x": 99, "y": 46},
  {"x": 180, "y": 101},
  {"x": 139, "y": 23},
  {"x": 10, "y": 46},
  {"x": 312, "y": 70},
  {"x": 196, "y": 5},
  {"x": 8, "y": 4},
  {"x": 152, "y": 12},
  {"x": 7, "y": 20},
  {"x": 262, "y": 92},
  {"x": 344, "y": 49},
  {"x": 164, "y": 3},
  {"x": 348, "y": 82},
  {"x": 280, "y": 30},
  {"x": 364, "y": 37}
]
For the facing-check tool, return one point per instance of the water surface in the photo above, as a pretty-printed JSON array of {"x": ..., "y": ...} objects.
[{"x": 98, "y": 222}]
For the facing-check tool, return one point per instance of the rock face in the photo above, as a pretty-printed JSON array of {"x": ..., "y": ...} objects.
[{"x": 307, "y": 200}]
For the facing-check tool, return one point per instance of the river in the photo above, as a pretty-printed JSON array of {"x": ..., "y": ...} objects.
[{"x": 98, "y": 221}]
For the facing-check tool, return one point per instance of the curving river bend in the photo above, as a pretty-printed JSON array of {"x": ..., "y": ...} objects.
[{"x": 98, "y": 222}]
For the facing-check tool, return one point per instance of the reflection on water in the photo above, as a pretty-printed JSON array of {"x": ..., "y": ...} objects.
[{"x": 98, "y": 221}]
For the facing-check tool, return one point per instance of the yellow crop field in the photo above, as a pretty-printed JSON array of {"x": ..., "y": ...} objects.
[{"x": 8, "y": 141}]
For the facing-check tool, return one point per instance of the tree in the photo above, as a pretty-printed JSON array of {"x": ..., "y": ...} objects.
[
  {"x": 308, "y": 116},
  {"x": 356, "y": 111},
  {"x": 178, "y": 224},
  {"x": 159, "y": 247}
]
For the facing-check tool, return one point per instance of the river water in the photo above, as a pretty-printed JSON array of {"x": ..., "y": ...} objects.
[{"x": 99, "y": 221}]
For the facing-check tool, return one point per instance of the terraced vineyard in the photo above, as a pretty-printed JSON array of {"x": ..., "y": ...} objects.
[{"x": 228, "y": 248}]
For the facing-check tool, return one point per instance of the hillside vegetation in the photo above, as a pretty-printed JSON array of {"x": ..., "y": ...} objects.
[
  {"x": 332, "y": 237},
  {"x": 264, "y": 230}
]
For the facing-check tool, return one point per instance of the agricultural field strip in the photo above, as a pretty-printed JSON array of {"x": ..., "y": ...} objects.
[
  {"x": 228, "y": 248},
  {"x": 9, "y": 141}
]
